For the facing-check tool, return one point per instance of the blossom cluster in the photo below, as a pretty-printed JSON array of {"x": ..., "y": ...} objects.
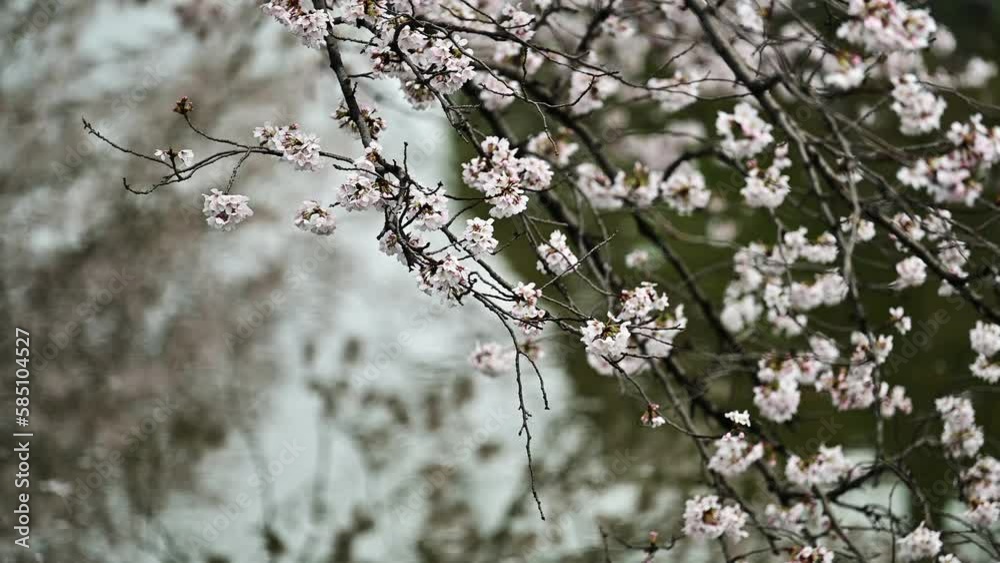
[
  {"x": 652, "y": 417},
  {"x": 526, "y": 310},
  {"x": 557, "y": 257},
  {"x": 739, "y": 417},
  {"x": 705, "y": 517},
  {"x": 919, "y": 110},
  {"x": 684, "y": 190},
  {"x": 478, "y": 236},
  {"x": 844, "y": 71},
  {"x": 557, "y": 148},
  {"x": 887, "y": 25},
  {"x": 447, "y": 279},
  {"x": 313, "y": 218},
  {"x": 588, "y": 90},
  {"x": 768, "y": 187},
  {"x": 311, "y": 26},
  {"x": 762, "y": 283},
  {"x": 374, "y": 123},
  {"x": 810, "y": 554},
  {"x": 365, "y": 188},
  {"x": 492, "y": 359},
  {"x": 411, "y": 53},
  {"x": 827, "y": 467},
  {"x": 744, "y": 134},
  {"x": 297, "y": 147},
  {"x": 224, "y": 211},
  {"x": 734, "y": 454},
  {"x": 921, "y": 543},
  {"x": 961, "y": 436},
  {"x": 951, "y": 252},
  {"x": 853, "y": 387},
  {"x": 981, "y": 488},
  {"x": 954, "y": 176},
  {"x": 797, "y": 518},
  {"x": 642, "y": 327},
  {"x": 985, "y": 339},
  {"x": 778, "y": 395},
  {"x": 503, "y": 177},
  {"x": 607, "y": 340}
]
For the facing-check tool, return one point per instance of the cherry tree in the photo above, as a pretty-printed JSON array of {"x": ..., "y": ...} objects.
[{"x": 846, "y": 129}]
